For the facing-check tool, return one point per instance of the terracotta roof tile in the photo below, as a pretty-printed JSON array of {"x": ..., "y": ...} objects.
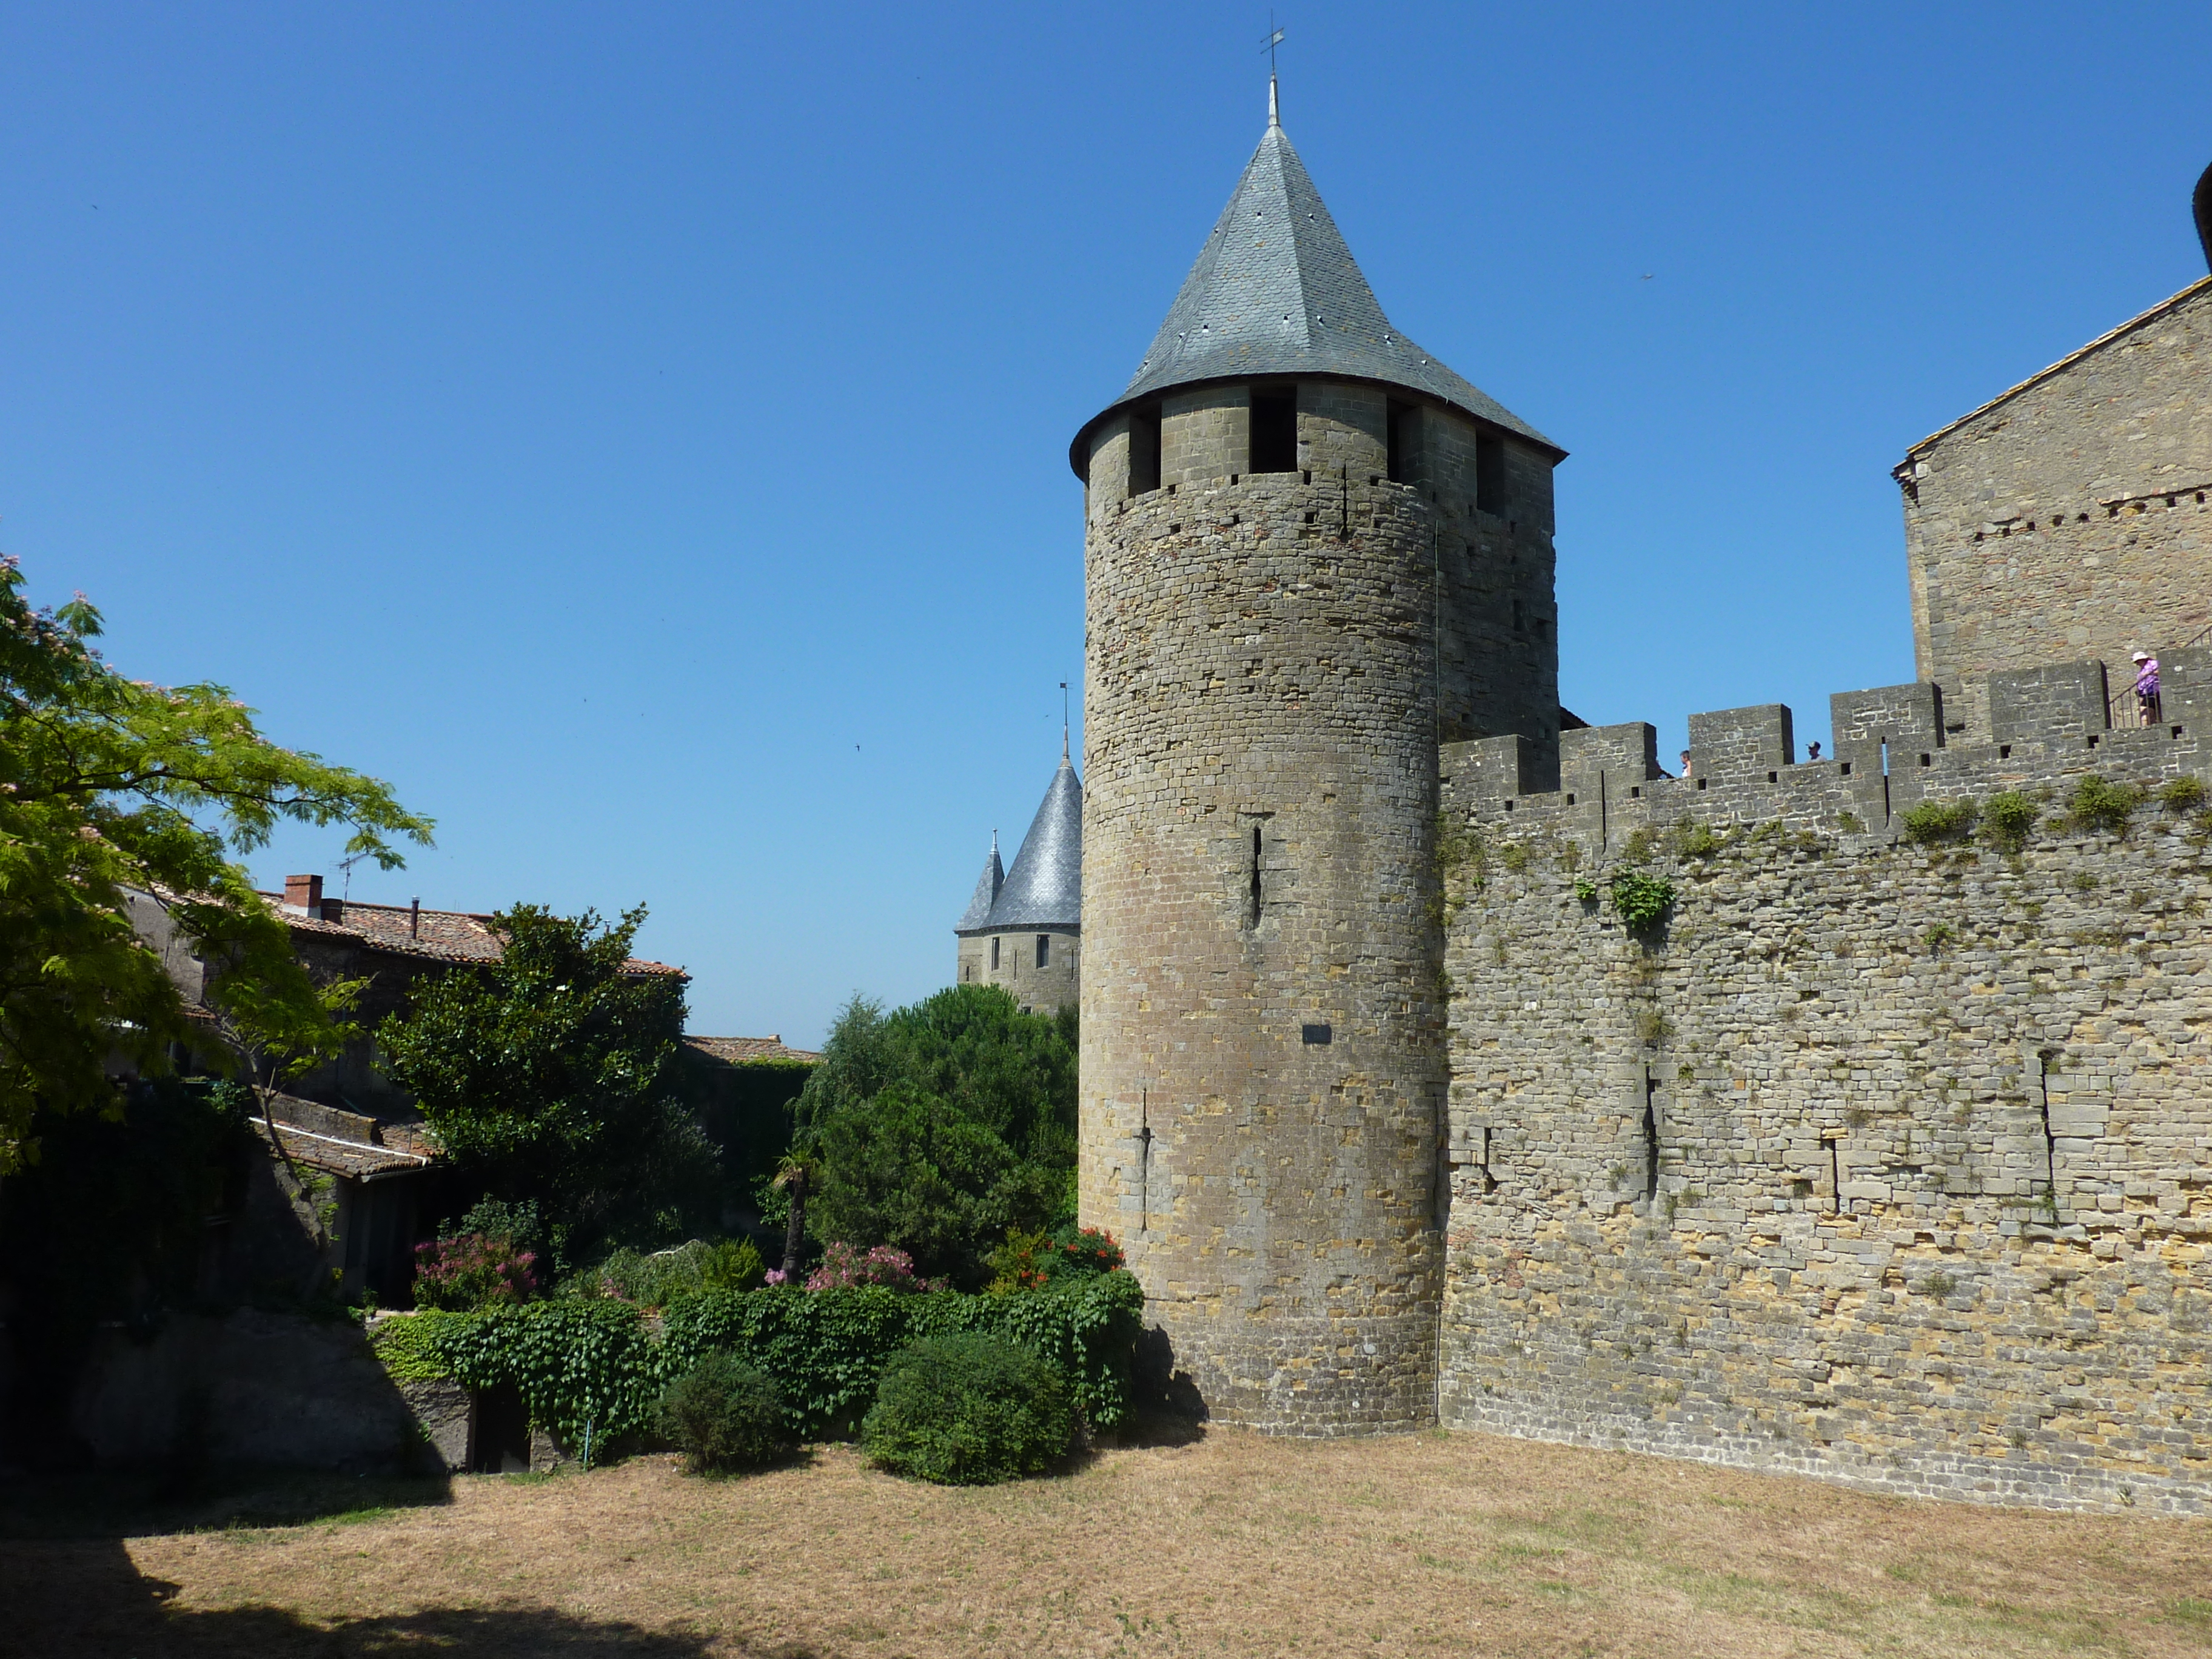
[
  {"x": 741, "y": 1050},
  {"x": 436, "y": 935}
]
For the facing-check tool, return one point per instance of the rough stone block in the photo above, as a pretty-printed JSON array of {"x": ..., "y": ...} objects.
[
  {"x": 1741, "y": 743},
  {"x": 2065, "y": 699}
]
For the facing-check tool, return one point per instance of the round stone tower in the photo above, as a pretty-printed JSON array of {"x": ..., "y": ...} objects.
[{"x": 1313, "y": 552}]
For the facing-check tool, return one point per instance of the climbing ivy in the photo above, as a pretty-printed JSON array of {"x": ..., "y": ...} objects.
[{"x": 580, "y": 1361}]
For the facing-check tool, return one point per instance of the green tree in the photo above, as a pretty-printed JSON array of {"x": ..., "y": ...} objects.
[
  {"x": 115, "y": 793},
  {"x": 550, "y": 1075},
  {"x": 941, "y": 1125}
]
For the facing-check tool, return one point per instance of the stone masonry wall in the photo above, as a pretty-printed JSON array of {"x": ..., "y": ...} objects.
[
  {"x": 2070, "y": 519},
  {"x": 1054, "y": 986},
  {"x": 1877, "y": 1160},
  {"x": 1262, "y": 1065}
]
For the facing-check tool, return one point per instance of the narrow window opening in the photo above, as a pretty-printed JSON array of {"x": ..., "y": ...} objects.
[
  {"x": 1485, "y": 1182},
  {"x": 1144, "y": 1161},
  {"x": 1144, "y": 451},
  {"x": 1650, "y": 1136},
  {"x": 1517, "y": 627},
  {"x": 1275, "y": 430},
  {"x": 1401, "y": 427},
  {"x": 1255, "y": 875},
  {"x": 1490, "y": 495},
  {"x": 1835, "y": 1177},
  {"x": 994, "y": 955},
  {"x": 1044, "y": 950},
  {"x": 2050, "y": 1141}
]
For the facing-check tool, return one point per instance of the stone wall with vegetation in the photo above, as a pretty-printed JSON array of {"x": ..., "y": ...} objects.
[{"x": 1848, "y": 1120}]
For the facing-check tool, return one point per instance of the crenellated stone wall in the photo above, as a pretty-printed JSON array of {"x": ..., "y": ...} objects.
[{"x": 1882, "y": 1161}]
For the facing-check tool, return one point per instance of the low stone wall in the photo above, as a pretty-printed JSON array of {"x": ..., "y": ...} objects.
[
  {"x": 262, "y": 1388},
  {"x": 1885, "y": 1163}
]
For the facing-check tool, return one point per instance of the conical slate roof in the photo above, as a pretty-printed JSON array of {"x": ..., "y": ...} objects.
[
  {"x": 977, "y": 918},
  {"x": 1276, "y": 291},
  {"x": 1045, "y": 887}
]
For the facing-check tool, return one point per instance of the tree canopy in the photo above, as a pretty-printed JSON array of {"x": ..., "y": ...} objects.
[
  {"x": 111, "y": 787},
  {"x": 549, "y": 1076},
  {"x": 939, "y": 1126}
]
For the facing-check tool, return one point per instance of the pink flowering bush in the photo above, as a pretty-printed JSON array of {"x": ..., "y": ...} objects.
[
  {"x": 843, "y": 1267},
  {"x": 473, "y": 1271}
]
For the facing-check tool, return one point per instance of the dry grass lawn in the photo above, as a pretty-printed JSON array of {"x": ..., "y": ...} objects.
[{"x": 1229, "y": 1544}]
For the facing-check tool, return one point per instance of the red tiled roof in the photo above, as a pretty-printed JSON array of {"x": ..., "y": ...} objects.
[
  {"x": 740, "y": 1051},
  {"x": 438, "y": 935},
  {"x": 339, "y": 1155}
]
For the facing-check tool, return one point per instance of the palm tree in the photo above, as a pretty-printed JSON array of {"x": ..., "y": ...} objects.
[{"x": 796, "y": 1174}]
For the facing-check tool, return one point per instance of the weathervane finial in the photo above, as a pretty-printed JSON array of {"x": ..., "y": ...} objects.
[{"x": 1274, "y": 39}]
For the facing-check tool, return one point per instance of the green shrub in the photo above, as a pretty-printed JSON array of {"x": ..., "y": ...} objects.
[
  {"x": 2182, "y": 795},
  {"x": 2009, "y": 819},
  {"x": 1934, "y": 820},
  {"x": 472, "y": 1272},
  {"x": 967, "y": 1410},
  {"x": 827, "y": 1349},
  {"x": 1585, "y": 890},
  {"x": 2102, "y": 807},
  {"x": 655, "y": 1280},
  {"x": 1642, "y": 900},
  {"x": 1693, "y": 839},
  {"x": 406, "y": 1345},
  {"x": 724, "y": 1414},
  {"x": 1030, "y": 1261}
]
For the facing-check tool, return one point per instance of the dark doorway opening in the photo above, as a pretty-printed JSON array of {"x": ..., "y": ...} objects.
[{"x": 503, "y": 1433}]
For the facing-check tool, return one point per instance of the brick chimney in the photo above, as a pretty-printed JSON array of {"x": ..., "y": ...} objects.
[{"x": 304, "y": 893}]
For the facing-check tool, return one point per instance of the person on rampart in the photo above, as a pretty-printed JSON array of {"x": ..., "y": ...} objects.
[{"x": 2146, "y": 688}]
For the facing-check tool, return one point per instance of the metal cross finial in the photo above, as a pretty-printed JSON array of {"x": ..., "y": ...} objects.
[{"x": 1274, "y": 39}]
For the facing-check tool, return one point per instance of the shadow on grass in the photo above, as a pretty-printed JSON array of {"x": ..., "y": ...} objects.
[
  {"x": 1151, "y": 1429},
  {"x": 123, "y": 1504},
  {"x": 68, "y": 1584},
  {"x": 102, "y": 1609}
]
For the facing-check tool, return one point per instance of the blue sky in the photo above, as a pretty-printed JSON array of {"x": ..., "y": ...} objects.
[{"x": 639, "y": 434}]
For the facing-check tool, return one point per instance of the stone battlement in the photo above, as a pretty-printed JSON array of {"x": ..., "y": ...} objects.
[{"x": 2048, "y": 727}]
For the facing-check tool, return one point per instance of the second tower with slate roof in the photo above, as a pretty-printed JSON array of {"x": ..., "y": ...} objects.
[
  {"x": 1024, "y": 927},
  {"x": 1313, "y": 552}
]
